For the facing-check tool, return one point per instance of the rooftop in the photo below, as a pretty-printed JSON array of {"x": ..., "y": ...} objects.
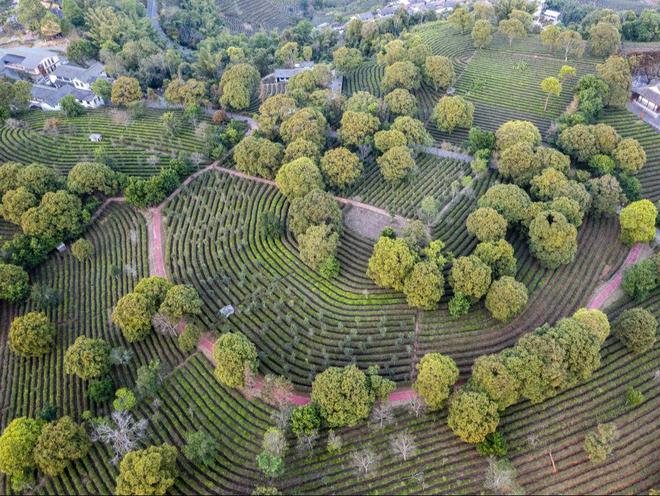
[
  {"x": 52, "y": 95},
  {"x": 289, "y": 73},
  {"x": 29, "y": 58},
  {"x": 651, "y": 93},
  {"x": 86, "y": 75}
]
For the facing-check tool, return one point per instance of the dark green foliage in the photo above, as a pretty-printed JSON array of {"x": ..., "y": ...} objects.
[
  {"x": 640, "y": 280},
  {"x": 200, "y": 448},
  {"x": 636, "y": 328},
  {"x": 101, "y": 390},
  {"x": 494, "y": 444},
  {"x": 305, "y": 419}
]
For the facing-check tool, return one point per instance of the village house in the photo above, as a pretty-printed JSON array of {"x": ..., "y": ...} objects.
[
  {"x": 27, "y": 63},
  {"x": 80, "y": 77},
  {"x": 48, "y": 97},
  {"x": 648, "y": 97}
]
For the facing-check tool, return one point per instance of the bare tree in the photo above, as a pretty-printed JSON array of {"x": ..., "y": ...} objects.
[
  {"x": 501, "y": 477},
  {"x": 120, "y": 356},
  {"x": 382, "y": 415},
  {"x": 306, "y": 441},
  {"x": 276, "y": 391},
  {"x": 404, "y": 445},
  {"x": 364, "y": 461},
  {"x": 416, "y": 406},
  {"x": 163, "y": 326},
  {"x": 281, "y": 417},
  {"x": 122, "y": 433}
]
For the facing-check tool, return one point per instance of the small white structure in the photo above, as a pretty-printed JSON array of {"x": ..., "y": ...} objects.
[
  {"x": 226, "y": 311},
  {"x": 95, "y": 137},
  {"x": 551, "y": 16},
  {"x": 61, "y": 248}
]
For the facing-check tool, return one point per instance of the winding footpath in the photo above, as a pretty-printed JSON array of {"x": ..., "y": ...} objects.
[{"x": 399, "y": 397}]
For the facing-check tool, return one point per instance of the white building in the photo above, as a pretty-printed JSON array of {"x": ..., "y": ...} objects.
[
  {"x": 80, "y": 77},
  {"x": 24, "y": 62},
  {"x": 48, "y": 97}
]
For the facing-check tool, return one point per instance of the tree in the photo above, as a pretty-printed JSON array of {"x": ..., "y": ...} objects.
[
  {"x": 363, "y": 101},
  {"x": 615, "y": 71},
  {"x": 598, "y": 443},
  {"x": 308, "y": 124},
  {"x": 301, "y": 148},
  {"x": 486, "y": 224},
  {"x": 60, "y": 443},
  {"x": 317, "y": 207},
  {"x": 605, "y": 39},
  {"x": 132, "y": 315},
  {"x": 472, "y": 416},
  {"x": 403, "y": 74},
  {"x": 189, "y": 338},
  {"x": 396, "y": 163},
  {"x": 552, "y": 239},
  {"x": 258, "y": 156},
  {"x": 71, "y": 107},
  {"x": 347, "y": 59},
  {"x": 501, "y": 477},
  {"x": 579, "y": 142},
  {"x": 186, "y": 93},
  {"x": 470, "y": 276},
  {"x": 200, "y": 448},
  {"x": 88, "y": 178},
  {"x": 181, "y": 300},
  {"x": 234, "y": 353},
  {"x": 519, "y": 163},
  {"x": 100, "y": 390},
  {"x": 341, "y": 167},
  {"x": 595, "y": 321},
  {"x": 155, "y": 289},
  {"x": 571, "y": 42},
  {"x": 508, "y": 200},
  {"x": 87, "y": 358},
  {"x": 17, "y": 445},
  {"x": 436, "y": 374},
  {"x": 636, "y": 329},
  {"x": 357, "y": 128},
  {"x": 640, "y": 280},
  {"x": 482, "y": 34},
  {"x": 439, "y": 72},
  {"x": 149, "y": 379},
  {"x": 384, "y": 140},
  {"x": 629, "y": 155},
  {"x": 512, "y": 28},
  {"x": 298, "y": 178},
  {"x": 413, "y": 129},
  {"x": 148, "y": 471},
  {"x": 491, "y": 377},
  {"x": 101, "y": 88},
  {"x": 637, "y": 222},
  {"x": 581, "y": 350},
  {"x": 512, "y": 132},
  {"x": 506, "y": 298},
  {"x": 38, "y": 179},
  {"x": 364, "y": 461},
  {"x": 424, "y": 286},
  {"x": 552, "y": 87},
  {"x": 390, "y": 263},
  {"x": 305, "y": 419},
  {"x": 31, "y": 335},
  {"x": 58, "y": 217},
  {"x": 499, "y": 256},
  {"x": 452, "y": 112},
  {"x": 30, "y": 14},
  {"x": 238, "y": 85},
  {"x": 125, "y": 400},
  {"x": 401, "y": 102},
  {"x": 342, "y": 395},
  {"x": 125, "y": 90},
  {"x": 550, "y": 36},
  {"x": 273, "y": 111},
  {"x": 317, "y": 244},
  {"x": 549, "y": 157},
  {"x": 16, "y": 202},
  {"x": 461, "y": 19}
]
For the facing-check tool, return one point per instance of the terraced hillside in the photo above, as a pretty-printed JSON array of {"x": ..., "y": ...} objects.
[
  {"x": 629, "y": 125},
  {"x": 302, "y": 323},
  {"x": 137, "y": 147},
  {"x": 88, "y": 291},
  {"x": 250, "y": 16}
]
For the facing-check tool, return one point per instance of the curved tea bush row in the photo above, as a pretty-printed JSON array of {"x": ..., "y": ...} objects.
[
  {"x": 629, "y": 125},
  {"x": 367, "y": 77},
  {"x": 443, "y": 39},
  {"x": 433, "y": 176},
  {"x": 259, "y": 15},
  {"x": 88, "y": 293}
]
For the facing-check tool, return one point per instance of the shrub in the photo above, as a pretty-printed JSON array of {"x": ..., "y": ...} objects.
[
  {"x": 330, "y": 267},
  {"x": 494, "y": 444},
  {"x": 189, "y": 338},
  {"x": 148, "y": 471},
  {"x": 459, "y": 305},
  {"x": 305, "y": 419},
  {"x": 598, "y": 443},
  {"x": 125, "y": 400},
  {"x": 31, "y": 335},
  {"x": 82, "y": 249},
  {"x": 87, "y": 358},
  {"x": 640, "y": 280},
  {"x": 636, "y": 328},
  {"x": 14, "y": 283},
  {"x": 436, "y": 374},
  {"x": 233, "y": 353},
  {"x": 200, "y": 448},
  {"x": 634, "y": 397},
  {"x": 100, "y": 390}
]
